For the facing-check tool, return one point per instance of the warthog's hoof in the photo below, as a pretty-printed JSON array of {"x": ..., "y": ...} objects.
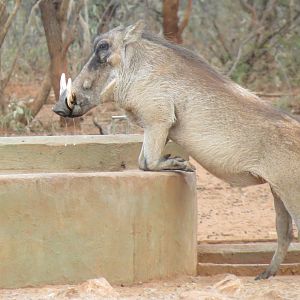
[
  {"x": 190, "y": 167},
  {"x": 181, "y": 164},
  {"x": 265, "y": 275},
  {"x": 168, "y": 163}
]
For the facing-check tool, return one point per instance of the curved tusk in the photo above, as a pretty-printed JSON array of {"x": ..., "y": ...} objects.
[
  {"x": 63, "y": 83},
  {"x": 70, "y": 101}
]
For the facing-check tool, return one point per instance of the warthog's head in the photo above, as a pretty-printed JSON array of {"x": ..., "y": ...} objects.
[{"x": 96, "y": 80}]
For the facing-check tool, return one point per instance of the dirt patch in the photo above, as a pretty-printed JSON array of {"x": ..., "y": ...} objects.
[
  {"x": 220, "y": 287},
  {"x": 224, "y": 286},
  {"x": 20, "y": 90},
  {"x": 233, "y": 214}
]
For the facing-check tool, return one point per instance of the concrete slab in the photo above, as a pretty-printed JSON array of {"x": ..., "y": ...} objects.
[
  {"x": 248, "y": 259},
  {"x": 249, "y": 253},
  {"x": 58, "y": 228},
  {"x": 75, "y": 152},
  {"x": 210, "y": 269}
]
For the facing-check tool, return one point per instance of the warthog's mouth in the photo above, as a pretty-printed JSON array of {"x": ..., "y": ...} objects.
[
  {"x": 67, "y": 100},
  {"x": 73, "y": 103}
]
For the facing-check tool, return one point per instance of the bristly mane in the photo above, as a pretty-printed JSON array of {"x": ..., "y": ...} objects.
[{"x": 184, "y": 53}]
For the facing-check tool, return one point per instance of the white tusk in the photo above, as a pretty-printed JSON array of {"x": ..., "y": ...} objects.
[
  {"x": 69, "y": 93},
  {"x": 63, "y": 83}
]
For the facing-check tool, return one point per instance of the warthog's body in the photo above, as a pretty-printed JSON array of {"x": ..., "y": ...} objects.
[{"x": 173, "y": 94}]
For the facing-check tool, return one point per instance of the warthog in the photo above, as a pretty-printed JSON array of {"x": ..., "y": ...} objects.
[{"x": 174, "y": 94}]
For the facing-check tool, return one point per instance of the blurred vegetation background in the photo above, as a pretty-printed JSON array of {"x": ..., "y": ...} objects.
[{"x": 255, "y": 42}]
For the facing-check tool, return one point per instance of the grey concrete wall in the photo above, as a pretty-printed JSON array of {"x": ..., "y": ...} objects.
[
  {"x": 131, "y": 226},
  {"x": 67, "y": 153}
]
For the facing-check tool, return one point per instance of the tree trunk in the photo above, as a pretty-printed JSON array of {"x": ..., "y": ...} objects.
[
  {"x": 5, "y": 23},
  {"x": 171, "y": 27},
  {"x": 3, "y": 15},
  {"x": 170, "y": 20},
  {"x": 6, "y": 20},
  {"x": 1, "y": 88},
  {"x": 52, "y": 22},
  {"x": 107, "y": 16}
]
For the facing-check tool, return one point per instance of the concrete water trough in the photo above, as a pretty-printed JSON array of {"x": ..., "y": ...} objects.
[{"x": 74, "y": 208}]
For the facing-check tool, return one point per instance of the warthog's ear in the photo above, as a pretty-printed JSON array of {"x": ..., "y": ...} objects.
[{"x": 134, "y": 32}]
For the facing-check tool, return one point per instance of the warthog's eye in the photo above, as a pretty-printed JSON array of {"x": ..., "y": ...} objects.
[
  {"x": 103, "y": 45},
  {"x": 101, "y": 53}
]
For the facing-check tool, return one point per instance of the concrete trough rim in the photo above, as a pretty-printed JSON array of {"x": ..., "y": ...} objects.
[
  {"x": 77, "y": 153},
  {"x": 211, "y": 269},
  {"x": 125, "y": 173},
  {"x": 58, "y": 140}
]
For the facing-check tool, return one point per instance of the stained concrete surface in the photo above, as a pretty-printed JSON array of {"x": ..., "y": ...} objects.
[
  {"x": 58, "y": 228},
  {"x": 74, "y": 152}
]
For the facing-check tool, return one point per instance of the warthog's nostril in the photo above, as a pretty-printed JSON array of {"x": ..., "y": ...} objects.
[{"x": 60, "y": 112}]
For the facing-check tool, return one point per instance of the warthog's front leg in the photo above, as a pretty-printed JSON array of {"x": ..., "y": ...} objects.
[
  {"x": 285, "y": 235},
  {"x": 151, "y": 158}
]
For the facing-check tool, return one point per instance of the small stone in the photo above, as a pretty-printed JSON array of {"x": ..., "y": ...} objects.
[
  {"x": 203, "y": 295},
  {"x": 270, "y": 295},
  {"x": 230, "y": 285},
  {"x": 93, "y": 288}
]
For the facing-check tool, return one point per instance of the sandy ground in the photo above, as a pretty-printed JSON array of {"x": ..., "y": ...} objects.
[
  {"x": 220, "y": 287},
  {"x": 224, "y": 286},
  {"x": 233, "y": 214}
]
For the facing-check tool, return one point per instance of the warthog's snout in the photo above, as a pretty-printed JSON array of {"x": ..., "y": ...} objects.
[
  {"x": 67, "y": 100},
  {"x": 85, "y": 93},
  {"x": 67, "y": 105}
]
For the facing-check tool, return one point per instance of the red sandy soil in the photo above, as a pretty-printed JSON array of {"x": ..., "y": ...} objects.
[
  {"x": 233, "y": 214},
  {"x": 219, "y": 287}
]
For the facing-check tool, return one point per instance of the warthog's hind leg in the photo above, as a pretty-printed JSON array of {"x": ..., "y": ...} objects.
[
  {"x": 284, "y": 236},
  {"x": 151, "y": 158}
]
